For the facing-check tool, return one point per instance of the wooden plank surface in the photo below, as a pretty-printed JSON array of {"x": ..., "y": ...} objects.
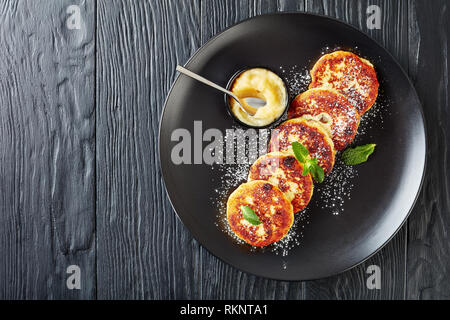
[
  {"x": 144, "y": 251},
  {"x": 428, "y": 263},
  {"x": 47, "y": 131}
]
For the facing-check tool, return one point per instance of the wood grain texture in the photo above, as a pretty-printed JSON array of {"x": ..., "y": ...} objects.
[
  {"x": 144, "y": 251},
  {"x": 47, "y": 132},
  {"x": 428, "y": 272},
  {"x": 351, "y": 284},
  {"x": 79, "y": 175}
]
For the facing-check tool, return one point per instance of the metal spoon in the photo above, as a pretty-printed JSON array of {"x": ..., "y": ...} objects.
[{"x": 249, "y": 108}]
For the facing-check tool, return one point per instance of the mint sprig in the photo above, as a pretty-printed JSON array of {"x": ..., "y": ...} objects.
[
  {"x": 309, "y": 165},
  {"x": 300, "y": 151},
  {"x": 357, "y": 155},
  {"x": 250, "y": 215}
]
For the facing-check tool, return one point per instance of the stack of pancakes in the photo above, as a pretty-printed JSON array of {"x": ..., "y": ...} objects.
[{"x": 324, "y": 119}]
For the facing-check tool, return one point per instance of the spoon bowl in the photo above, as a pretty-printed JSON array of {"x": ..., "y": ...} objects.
[{"x": 255, "y": 102}]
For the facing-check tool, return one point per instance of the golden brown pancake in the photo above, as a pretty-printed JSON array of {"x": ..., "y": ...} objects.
[
  {"x": 269, "y": 203},
  {"x": 311, "y": 133},
  {"x": 284, "y": 171},
  {"x": 350, "y": 75},
  {"x": 345, "y": 117}
]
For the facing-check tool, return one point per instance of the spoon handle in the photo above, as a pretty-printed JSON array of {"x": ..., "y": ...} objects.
[
  {"x": 247, "y": 108},
  {"x": 205, "y": 81}
]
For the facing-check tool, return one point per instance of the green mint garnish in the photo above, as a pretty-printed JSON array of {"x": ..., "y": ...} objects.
[
  {"x": 317, "y": 172},
  {"x": 309, "y": 165},
  {"x": 357, "y": 155},
  {"x": 300, "y": 151},
  {"x": 250, "y": 215}
]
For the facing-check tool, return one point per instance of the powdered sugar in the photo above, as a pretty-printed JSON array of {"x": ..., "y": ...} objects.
[
  {"x": 231, "y": 176},
  {"x": 374, "y": 118},
  {"x": 294, "y": 236},
  {"x": 296, "y": 79},
  {"x": 336, "y": 188}
]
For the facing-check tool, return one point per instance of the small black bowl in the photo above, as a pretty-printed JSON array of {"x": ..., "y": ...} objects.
[{"x": 235, "y": 118}]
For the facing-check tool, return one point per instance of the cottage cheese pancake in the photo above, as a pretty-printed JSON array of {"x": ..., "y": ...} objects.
[
  {"x": 312, "y": 134},
  {"x": 345, "y": 117},
  {"x": 284, "y": 171},
  {"x": 350, "y": 75},
  {"x": 271, "y": 206}
]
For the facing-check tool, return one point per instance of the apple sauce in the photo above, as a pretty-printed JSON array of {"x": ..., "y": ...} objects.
[{"x": 263, "y": 84}]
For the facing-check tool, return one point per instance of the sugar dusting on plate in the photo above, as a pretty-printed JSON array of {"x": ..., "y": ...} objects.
[
  {"x": 294, "y": 236},
  {"x": 336, "y": 188},
  {"x": 296, "y": 78},
  {"x": 374, "y": 118}
]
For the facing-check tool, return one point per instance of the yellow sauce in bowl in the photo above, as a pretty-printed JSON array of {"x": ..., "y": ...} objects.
[{"x": 260, "y": 83}]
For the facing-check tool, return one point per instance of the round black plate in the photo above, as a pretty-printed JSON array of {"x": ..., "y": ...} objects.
[{"x": 384, "y": 191}]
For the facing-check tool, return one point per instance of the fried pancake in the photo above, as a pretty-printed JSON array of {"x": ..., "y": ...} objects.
[
  {"x": 311, "y": 133},
  {"x": 271, "y": 206},
  {"x": 345, "y": 117},
  {"x": 284, "y": 171},
  {"x": 350, "y": 75}
]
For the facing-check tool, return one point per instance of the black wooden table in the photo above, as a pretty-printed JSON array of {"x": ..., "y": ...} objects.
[{"x": 81, "y": 93}]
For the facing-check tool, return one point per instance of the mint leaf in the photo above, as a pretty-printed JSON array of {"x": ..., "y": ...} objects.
[
  {"x": 357, "y": 155},
  {"x": 309, "y": 165},
  {"x": 300, "y": 151},
  {"x": 306, "y": 167},
  {"x": 250, "y": 215},
  {"x": 317, "y": 172},
  {"x": 312, "y": 166}
]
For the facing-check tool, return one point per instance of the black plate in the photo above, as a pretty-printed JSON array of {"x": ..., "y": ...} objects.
[{"x": 384, "y": 191}]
